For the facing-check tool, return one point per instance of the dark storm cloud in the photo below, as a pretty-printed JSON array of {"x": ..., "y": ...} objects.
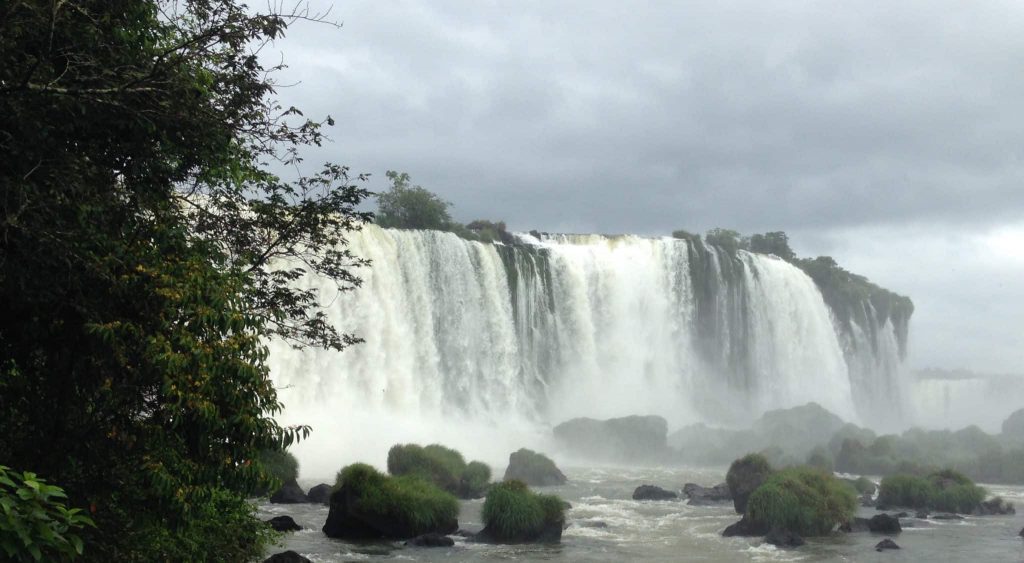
[
  {"x": 616, "y": 117},
  {"x": 879, "y": 123}
]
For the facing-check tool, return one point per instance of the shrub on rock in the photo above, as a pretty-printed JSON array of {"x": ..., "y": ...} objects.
[
  {"x": 513, "y": 513},
  {"x": 802, "y": 500},
  {"x": 367, "y": 504},
  {"x": 442, "y": 466},
  {"x": 746, "y": 475},
  {"x": 945, "y": 490},
  {"x": 534, "y": 469}
]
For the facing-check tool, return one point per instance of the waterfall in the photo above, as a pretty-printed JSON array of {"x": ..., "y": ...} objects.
[{"x": 463, "y": 338}]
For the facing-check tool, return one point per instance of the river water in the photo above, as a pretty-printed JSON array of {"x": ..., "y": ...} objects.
[{"x": 669, "y": 530}]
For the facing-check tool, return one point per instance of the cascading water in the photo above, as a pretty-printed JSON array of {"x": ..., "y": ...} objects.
[{"x": 463, "y": 339}]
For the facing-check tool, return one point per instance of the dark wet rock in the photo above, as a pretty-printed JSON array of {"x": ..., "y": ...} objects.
[
  {"x": 599, "y": 524},
  {"x": 346, "y": 521},
  {"x": 320, "y": 494},
  {"x": 283, "y": 524},
  {"x": 867, "y": 501},
  {"x": 290, "y": 493},
  {"x": 886, "y": 544},
  {"x": 463, "y": 533},
  {"x": 884, "y": 524},
  {"x": 784, "y": 538},
  {"x": 855, "y": 525},
  {"x": 946, "y": 516},
  {"x": 921, "y": 514},
  {"x": 651, "y": 492},
  {"x": 745, "y": 528},
  {"x": 629, "y": 438},
  {"x": 902, "y": 515},
  {"x": 702, "y": 496},
  {"x": 286, "y": 557},
  {"x": 1021, "y": 534},
  {"x": 551, "y": 532},
  {"x": 431, "y": 540},
  {"x": 534, "y": 469},
  {"x": 994, "y": 507}
]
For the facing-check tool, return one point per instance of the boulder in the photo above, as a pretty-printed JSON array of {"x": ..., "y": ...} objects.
[
  {"x": 921, "y": 515},
  {"x": 598, "y": 524},
  {"x": 703, "y": 496},
  {"x": 534, "y": 469},
  {"x": 320, "y": 494},
  {"x": 286, "y": 557},
  {"x": 1021, "y": 534},
  {"x": 946, "y": 516},
  {"x": 290, "y": 493},
  {"x": 283, "y": 524},
  {"x": 783, "y": 538},
  {"x": 855, "y": 525},
  {"x": 745, "y": 528},
  {"x": 744, "y": 477},
  {"x": 630, "y": 438},
  {"x": 651, "y": 492},
  {"x": 994, "y": 507},
  {"x": 431, "y": 540},
  {"x": 886, "y": 544},
  {"x": 798, "y": 430},
  {"x": 884, "y": 524},
  {"x": 346, "y": 521}
]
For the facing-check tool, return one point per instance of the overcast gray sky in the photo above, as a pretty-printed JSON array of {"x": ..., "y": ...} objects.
[{"x": 886, "y": 134}]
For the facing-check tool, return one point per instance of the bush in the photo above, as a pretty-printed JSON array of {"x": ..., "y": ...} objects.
[
  {"x": 945, "y": 490},
  {"x": 512, "y": 512},
  {"x": 820, "y": 459},
  {"x": 412, "y": 502},
  {"x": 864, "y": 485},
  {"x": 36, "y": 525},
  {"x": 440, "y": 465},
  {"x": 745, "y": 476},
  {"x": 475, "y": 480},
  {"x": 281, "y": 465},
  {"x": 802, "y": 500}
]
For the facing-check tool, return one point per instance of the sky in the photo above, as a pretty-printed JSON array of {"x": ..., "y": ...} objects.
[{"x": 885, "y": 134}]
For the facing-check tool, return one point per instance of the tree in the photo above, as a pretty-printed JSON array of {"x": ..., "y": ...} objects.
[
  {"x": 145, "y": 257},
  {"x": 726, "y": 239},
  {"x": 776, "y": 242},
  {"x": 404, "y": 206}
]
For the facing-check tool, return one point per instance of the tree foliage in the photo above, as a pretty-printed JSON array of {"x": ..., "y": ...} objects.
[
  {"x": 146, "y": 254},
  {"x": 405, "y": 206},
  {"x": 35, "y": 522}
]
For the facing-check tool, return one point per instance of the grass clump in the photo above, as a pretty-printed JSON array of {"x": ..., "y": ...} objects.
[
  {"x": 442, "y": 466},
  {"x": 745, "y": 475},
  {"x": 802, "y": 500},
  {"x": 945, "y": 490},
  {"x": 512, "y": 512},
  {"x": 408, "y": 502}
]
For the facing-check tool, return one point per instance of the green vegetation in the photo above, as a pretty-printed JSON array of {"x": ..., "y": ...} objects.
[
  {"x": 802, "y": 500},
  {"x": 820, "y": 459},
  {"x": 35, "y": 522},
  {"x": 945, "y": 490},
  {"x": 512, "y": 512},
  {"x": 410, "y": 502},
  {"x": 147, "y": 256},
  {"x": 744, "y": 477},
  {"x": 280, "y": 465},
  {"x": 405, "y": 206},
  {"x": 442, "y": 466}
]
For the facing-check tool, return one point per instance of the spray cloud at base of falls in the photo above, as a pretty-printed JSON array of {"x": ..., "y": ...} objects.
[{"x": 467, "y": 341}]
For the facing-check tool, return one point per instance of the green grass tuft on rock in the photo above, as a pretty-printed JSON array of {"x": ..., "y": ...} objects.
[
  {"x": 512, "y": 512},
  {"x": 803, "y": 500},
  {"x": 410, "y": 500},
  {"x": 442, "y": 466},
  {"x": 946, "y": 490}
]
